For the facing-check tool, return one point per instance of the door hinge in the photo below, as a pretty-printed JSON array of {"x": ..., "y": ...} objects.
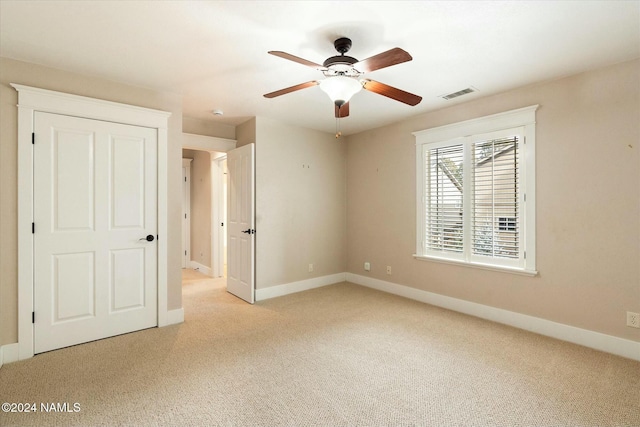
[
  {"x": 33, "y": 228},
  {"x": 33, "y": 317},
  {"x": 525, "y": 254},
  {"x": 185, "y": 179},
  {"x": 185, "y": 216},
  {"x": 185, "y": 253},
  {"x": 33, "y": 137}
]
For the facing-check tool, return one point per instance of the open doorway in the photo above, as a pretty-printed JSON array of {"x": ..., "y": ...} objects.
[{"x": 206, "y": 186}]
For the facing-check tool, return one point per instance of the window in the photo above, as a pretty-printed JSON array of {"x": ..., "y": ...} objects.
[
  {"x": 476, "y": 192},
  {"x": 506, "y": 223}
]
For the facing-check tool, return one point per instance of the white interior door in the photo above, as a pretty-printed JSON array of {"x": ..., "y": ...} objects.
[
  {"x": 95, "y": 213},
  {"x": 241, "y": 221}
]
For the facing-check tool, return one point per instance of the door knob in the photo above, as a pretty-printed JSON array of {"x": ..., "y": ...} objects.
[
  {"x": 249, "y": 231},
  {"x": 149, "y": 238}
]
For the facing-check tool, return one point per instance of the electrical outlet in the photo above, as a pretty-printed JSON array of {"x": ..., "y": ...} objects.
[
  {"x": 633, "y": 319},
  {"x": 310, "y": 268},
  {"x": 388, "y": 269},
  {"x": 367, "y": 266}
]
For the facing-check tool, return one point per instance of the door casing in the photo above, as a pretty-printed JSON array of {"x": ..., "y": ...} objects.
[{"x": 32, "y": 99}]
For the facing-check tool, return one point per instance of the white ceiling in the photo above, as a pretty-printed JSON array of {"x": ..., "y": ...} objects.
[{"x": 215, "y": 52}]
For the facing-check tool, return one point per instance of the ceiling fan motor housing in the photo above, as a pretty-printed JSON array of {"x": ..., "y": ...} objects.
[
  {"x": 339, "y": 60},
  {"x": 341, "y": 64}
]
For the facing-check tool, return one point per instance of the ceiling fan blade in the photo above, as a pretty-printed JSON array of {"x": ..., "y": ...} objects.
[
  {"x": 382, "y": 60},
  {"x": 291, "y": 89},
  {"x": 391, "y": 92},
  {"x": 297, "y": 59},
  {"x": 342, "y": 111}
]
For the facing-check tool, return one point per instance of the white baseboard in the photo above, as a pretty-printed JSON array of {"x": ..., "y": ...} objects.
[
  {"x": 9, "y": 353},
  {"x": 201, "y": 268},
  {"x": 596, "y": 340},
  {"x": 303, "y": 285},
  {"x": 175, "y": 316}
]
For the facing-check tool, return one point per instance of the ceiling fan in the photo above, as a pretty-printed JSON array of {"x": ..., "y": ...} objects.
[{"x": 344, "y": 76}]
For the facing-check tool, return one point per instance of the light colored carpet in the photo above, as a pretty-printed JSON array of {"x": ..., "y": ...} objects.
[{"x": 341, "y": 355}]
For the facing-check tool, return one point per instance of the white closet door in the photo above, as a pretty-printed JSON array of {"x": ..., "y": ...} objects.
[{"x": 95, "y": 212}]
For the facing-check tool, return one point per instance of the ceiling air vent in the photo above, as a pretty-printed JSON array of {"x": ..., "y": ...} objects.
[{"x": 459, "y": 93}]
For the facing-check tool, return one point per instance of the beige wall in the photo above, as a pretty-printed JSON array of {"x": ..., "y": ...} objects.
[
  {"x": 200, "y": 206},
  {"x": 246, "y": 133},
  {"x": 300, "y": 203},
  {"x": 12, "y": 71},
  {"x": 588, "y": 204},
  {"x": 208, "y": 128}
]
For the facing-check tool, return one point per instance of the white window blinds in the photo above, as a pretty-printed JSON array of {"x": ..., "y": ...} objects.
[
  {"x": 495, "y": 199},
  {"x": 444, "y": 199}
]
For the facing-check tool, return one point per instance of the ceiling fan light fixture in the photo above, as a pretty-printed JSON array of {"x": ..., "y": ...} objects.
[{"x": 340, "y": 88}]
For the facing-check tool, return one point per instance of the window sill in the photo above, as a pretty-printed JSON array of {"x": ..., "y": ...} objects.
[{"x": 530, "y": 273}]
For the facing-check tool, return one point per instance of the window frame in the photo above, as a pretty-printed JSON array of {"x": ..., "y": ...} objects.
[{"x": 522, "y": 119}]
